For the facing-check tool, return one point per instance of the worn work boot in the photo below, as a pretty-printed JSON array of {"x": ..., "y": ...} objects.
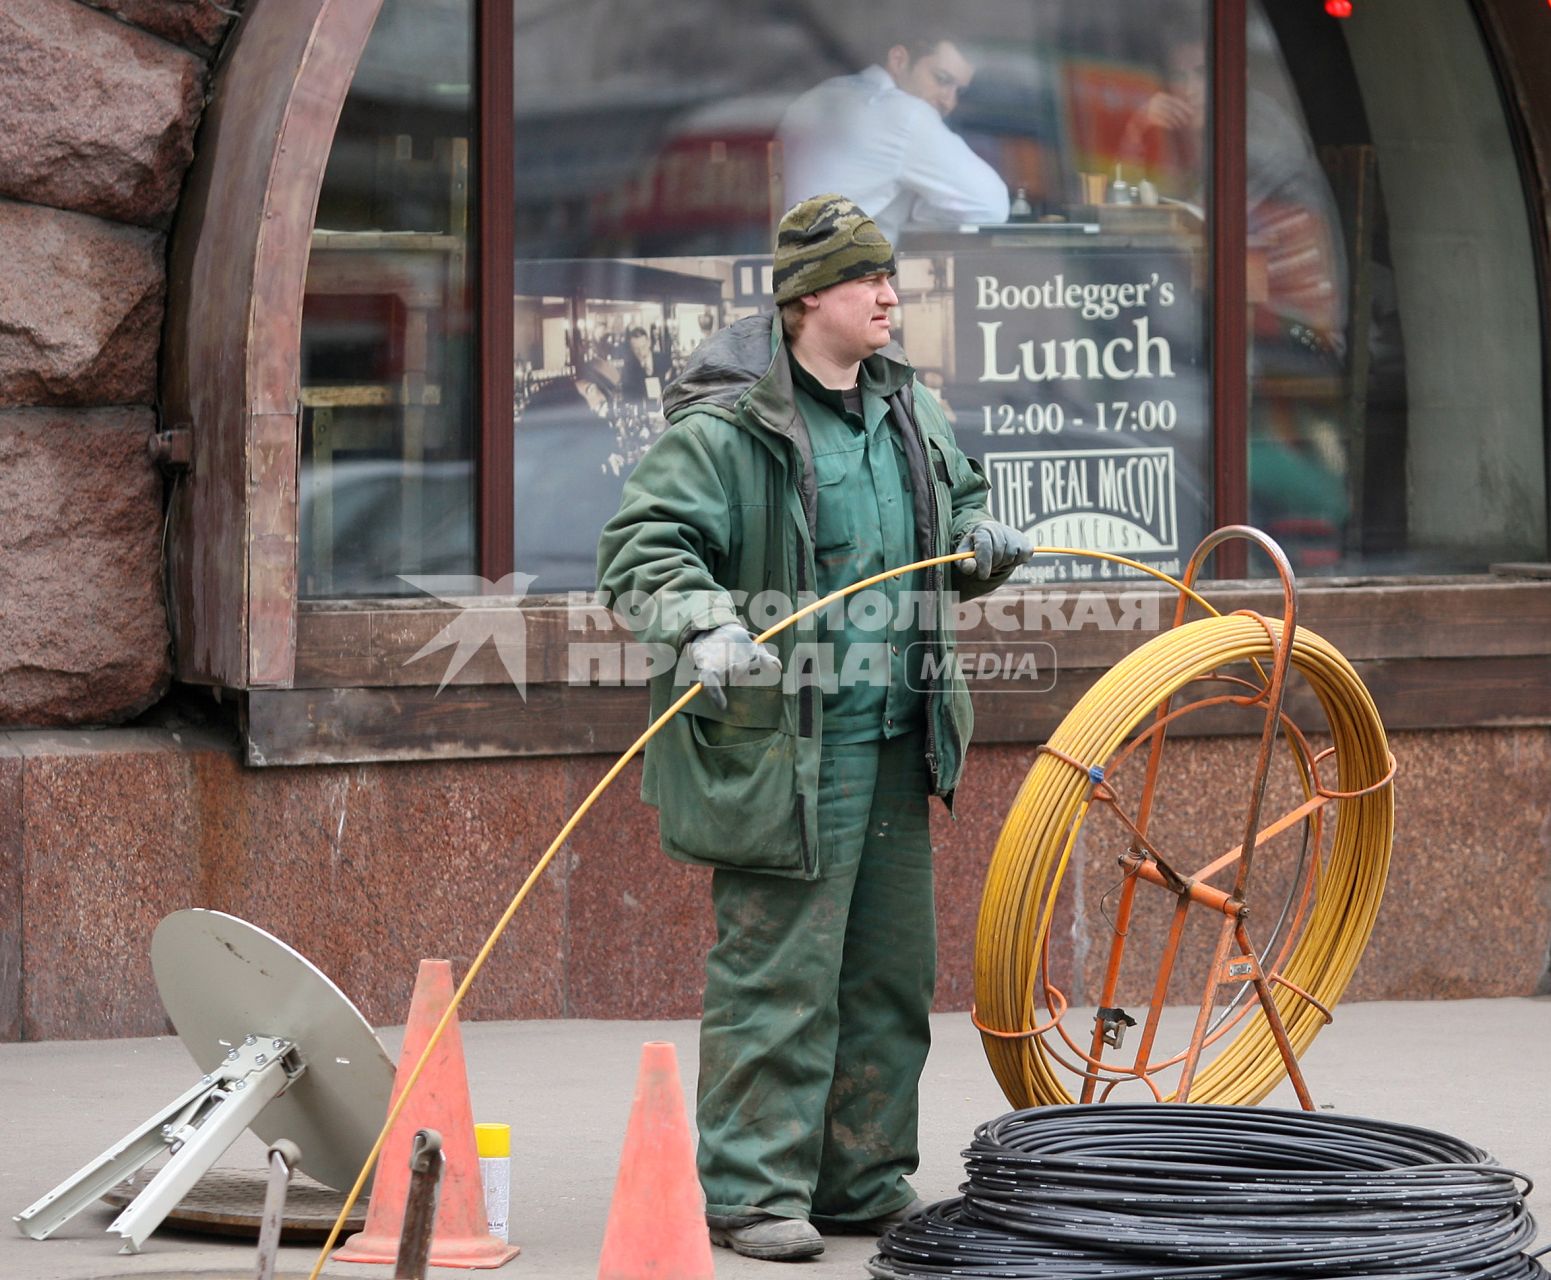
[
  {"x": 884, "y": 1221},
  {"x": 765, "y": 1237},
  {"x": 873, "y": 1226}
]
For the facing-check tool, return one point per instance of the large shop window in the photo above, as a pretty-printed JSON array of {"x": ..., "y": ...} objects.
[
  {"x": 1396, "y": 422},
  {"x": 1052, "y": 294},
  {"x": 1044, "y": 171}
]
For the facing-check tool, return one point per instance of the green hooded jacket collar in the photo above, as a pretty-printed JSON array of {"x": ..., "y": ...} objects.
[{"x": 742, "y": 373}]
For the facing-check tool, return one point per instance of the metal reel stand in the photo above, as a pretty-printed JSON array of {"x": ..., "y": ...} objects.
[
  {"x": 1254, "y": 967},
  {"x": 284, "y": 1052}
]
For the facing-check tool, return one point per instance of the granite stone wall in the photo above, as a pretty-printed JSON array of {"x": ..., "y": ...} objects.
[
  {"x": 101, "y": 105},
  {"x": 366, "y": 869}
]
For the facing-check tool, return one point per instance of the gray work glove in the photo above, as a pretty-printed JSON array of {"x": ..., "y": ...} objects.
[
  {"x": 728, "y": 653},
  {"x": 997, "y": 547}
]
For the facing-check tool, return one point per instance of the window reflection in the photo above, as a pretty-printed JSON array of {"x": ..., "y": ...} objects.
[
  {"x": 1060, "y": 323},
  {"x": 1300, "y": 344},
  {"x": 1053, "y": 268},
  {"x": 387, "y": 480},
  {"x": 1296, "y": 276},
  {"x": 881, "y": 136},
  {"x": 1389, "y": 433}
]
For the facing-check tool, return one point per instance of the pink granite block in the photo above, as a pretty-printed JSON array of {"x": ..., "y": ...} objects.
[
  {"x": 106, "y": 854},
  {"x": 640, "y": 924},
  {"x": 1467, "y": 910},
  {"x": 196, "y": 24},
  {"x": 83, "y": 630},
  {"x": 962, "y": 849},
  {"x": 80, "y": 308},
  {"x": 100, "y": 116},
  {"x": 11, "y": 881},
  {"x": 369, "y": 869},
  {"x": 482, "y": 832}
]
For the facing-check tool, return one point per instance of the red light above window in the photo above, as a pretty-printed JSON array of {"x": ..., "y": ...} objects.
[{"x": 1343, "y": 8}]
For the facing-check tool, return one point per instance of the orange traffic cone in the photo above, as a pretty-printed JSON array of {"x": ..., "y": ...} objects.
[
  {"x": 657, "y": 1220},
  {"x": 460, "y": 1237}
]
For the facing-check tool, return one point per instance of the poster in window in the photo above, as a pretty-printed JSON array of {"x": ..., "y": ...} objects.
[{"x": 1078, "y": 380}]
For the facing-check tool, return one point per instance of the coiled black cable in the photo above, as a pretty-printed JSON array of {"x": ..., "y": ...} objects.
[{"x": 1218, "y": 1193}]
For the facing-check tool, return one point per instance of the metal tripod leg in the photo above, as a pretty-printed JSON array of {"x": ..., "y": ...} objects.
[
  {"x": 283, "y": 1159},
  {"x": 197, "y": 1127},
  {"x": 238, "y": 1105},
  {"x": 119, "y": 1162}
]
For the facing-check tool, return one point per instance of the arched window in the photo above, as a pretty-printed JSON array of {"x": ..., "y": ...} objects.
[{"x": 531, "y": 214}]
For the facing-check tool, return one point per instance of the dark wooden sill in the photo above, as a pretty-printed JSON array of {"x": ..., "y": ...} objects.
[
  {"x": 1436, "y": 653},
  {"x": 373, "y": 643}
]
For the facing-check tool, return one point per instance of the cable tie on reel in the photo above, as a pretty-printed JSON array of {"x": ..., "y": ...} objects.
[{"x": 1093, "y": 772}]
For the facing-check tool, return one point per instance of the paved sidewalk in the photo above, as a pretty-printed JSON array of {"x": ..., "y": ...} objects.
[{"x": 1480, "y": 1069}]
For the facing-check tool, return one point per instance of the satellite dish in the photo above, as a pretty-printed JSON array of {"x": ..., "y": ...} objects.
[
  {"x": 222, "y": 979},
  {"x": 284, "y": 1052}
]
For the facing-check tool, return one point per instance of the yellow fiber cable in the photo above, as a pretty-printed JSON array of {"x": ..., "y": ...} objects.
[
  {"x": 1032, "y": 851},
  {"x": 506, "y": 917},
  {"x": 608, "y": 778}
]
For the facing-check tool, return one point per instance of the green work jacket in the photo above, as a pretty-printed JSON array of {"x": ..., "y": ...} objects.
[{"x": 718, "y": 523}]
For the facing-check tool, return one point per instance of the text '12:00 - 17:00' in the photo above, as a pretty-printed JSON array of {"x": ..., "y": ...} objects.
[{"x": 1114, "y": 415}]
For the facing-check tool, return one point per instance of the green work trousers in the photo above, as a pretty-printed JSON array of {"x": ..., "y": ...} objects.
[{"x": 815, "y": 1028}]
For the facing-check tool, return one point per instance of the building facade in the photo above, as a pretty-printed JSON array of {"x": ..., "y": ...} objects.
[{"x": 329, "y": 330}]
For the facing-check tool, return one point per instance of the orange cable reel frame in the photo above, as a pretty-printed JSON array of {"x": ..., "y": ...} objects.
[{"x": 1018, "y": 1008}]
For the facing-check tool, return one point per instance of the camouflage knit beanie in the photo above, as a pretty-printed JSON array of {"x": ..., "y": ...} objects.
[{"x": 827, "y": 240}]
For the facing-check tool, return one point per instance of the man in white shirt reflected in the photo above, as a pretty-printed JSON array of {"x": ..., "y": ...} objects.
[{"x": 880, "y": 137}]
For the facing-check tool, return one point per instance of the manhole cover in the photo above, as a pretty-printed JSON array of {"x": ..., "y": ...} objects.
[{"x": 230, "y": 1202}]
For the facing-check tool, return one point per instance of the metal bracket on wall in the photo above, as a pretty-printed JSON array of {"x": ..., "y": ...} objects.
[{"x": 172, "y": 449}]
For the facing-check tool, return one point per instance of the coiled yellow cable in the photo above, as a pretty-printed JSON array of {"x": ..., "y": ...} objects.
[
  {"x": 614, "y": 771},
  {"x": 1032, "y": 852}
]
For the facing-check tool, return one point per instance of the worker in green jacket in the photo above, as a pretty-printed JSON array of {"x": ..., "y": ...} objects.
[{"x": 800, "y": 458}]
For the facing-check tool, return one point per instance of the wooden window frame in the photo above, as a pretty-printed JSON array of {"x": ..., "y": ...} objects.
[
  {"x": 334, "y": 681},
  {"x": 497, "y": 206},
  {"x": 1229, "y": 227}
]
